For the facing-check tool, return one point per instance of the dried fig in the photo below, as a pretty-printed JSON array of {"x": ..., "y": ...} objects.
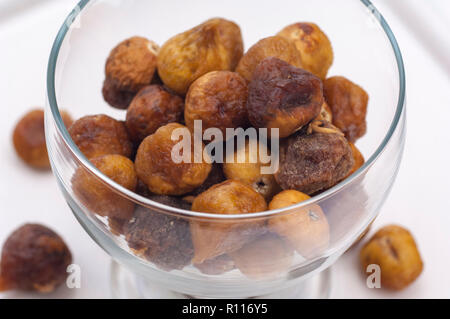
[
  {"x": 219, "y": 100},
  {"x": 306, "y": 229},
  {"x": 131, "y": 65},
  {"x": 101, "y": 199},
  {"x": 283, "y": 96},
  {"x": 34, "y": 258},
  {"x": 152, "y": 108},
  {"x": 212, "y": 238},
  {"x": 313, "y": 45},
  {"x": 161, "y": 238},
  {"x": 277, "y": 47},
  {"x": 215, "y": 45},
  {"x": 249, "y": 171},
  {"x": 99, "y": 135},
  {"x": 29, "y": 138},
  {"x": 155, "y": 165},
  {"x": 348, "y": 103},
  {"x": 393, "y": 249},
  {"x": 313, "y": 162}
]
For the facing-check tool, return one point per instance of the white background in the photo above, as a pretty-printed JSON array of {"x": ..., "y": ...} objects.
[{"x": 420, "y": 199}]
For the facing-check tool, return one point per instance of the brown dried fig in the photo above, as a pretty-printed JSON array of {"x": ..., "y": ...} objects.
[
  {"x": 34, "y": 258},
  {"x": 348, "y": 103},
  {"x": 313, "y": 162},
  {"x": 283, "y": 96},
  {"x": 218, "y": 99},
  {"x": 99, "y": 135},
  {"x": 29, "y": 138},
  {"x": 101, "y": 199},
  {"x": 131, "y": 65},
  {"x": 161, "y": 238},
  {"x": 152, "y": 108}
]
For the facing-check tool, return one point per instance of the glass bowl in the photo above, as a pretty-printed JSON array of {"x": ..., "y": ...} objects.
[{"x": 365, "y": 51}]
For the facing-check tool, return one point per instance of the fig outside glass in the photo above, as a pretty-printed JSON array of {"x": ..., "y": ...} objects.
[{"x": 365, "y": 50}]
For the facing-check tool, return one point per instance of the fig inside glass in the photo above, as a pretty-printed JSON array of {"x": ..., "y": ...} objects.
[{"x": 157, "y": 260}]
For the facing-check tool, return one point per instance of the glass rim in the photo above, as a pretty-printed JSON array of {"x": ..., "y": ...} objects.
[{"x": 143, "y": 201}]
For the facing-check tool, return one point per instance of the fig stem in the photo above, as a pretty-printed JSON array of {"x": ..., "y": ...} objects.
[{"x": 317, "y": 127}]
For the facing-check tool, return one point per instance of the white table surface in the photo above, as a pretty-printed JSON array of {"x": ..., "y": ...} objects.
[{"x": 420, "y": 199}]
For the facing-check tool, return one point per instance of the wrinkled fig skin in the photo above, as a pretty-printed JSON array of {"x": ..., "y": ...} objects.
[
  {"x": 99, "y": 135},
  {"x": 393, "y": 248},
  {"x": 277, "y": 47},
  {"x": 215, "y": 45},
  {"x": 218, "y": 99},
  {"x": 155, "y": 165},
  {"x": 348, "y": 103},
  {"x": 313, "y": 45},
  {"x": 314, "y": 162},
  {"x": 131, "y": 65},
  {"x": 34, "y": 258},
  {"x": 283, "y": 96},
  {"x": 212, "y": 238},
  {"x": 160, "y": 238},
  {"x": 152, "y": 108}
]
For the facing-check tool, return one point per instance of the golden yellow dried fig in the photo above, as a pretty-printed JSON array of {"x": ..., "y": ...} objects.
[
  {"x": 245, "y": 165},
  {"x": 394, "y": 250},
  {"x": 215, "y": 45},
  {"x": 306, "y": 229},
  {"x": 214, "y": 237},
  {"x": 313, "y": 45},
  {"x": 158, "y": 169}
]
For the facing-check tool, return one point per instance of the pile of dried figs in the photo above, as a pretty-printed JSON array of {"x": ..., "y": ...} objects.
[{"x": 203, "y": 74}]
